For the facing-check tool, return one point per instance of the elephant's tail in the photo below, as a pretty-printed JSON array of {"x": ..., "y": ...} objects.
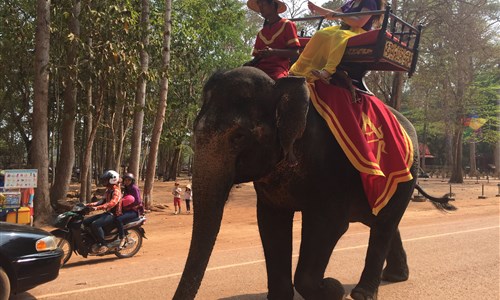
[{"x": 441, "y": 203}]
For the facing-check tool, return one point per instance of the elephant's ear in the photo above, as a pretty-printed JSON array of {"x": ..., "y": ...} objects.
[{"x": 291, "y": 112}]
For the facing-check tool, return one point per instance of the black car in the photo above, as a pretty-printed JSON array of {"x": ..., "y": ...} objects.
[{"x": 28, "y": 257}]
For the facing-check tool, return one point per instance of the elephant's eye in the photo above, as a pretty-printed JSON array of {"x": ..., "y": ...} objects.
[{"x": 238, "y": 139}]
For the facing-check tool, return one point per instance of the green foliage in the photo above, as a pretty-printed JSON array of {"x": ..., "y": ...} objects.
[
  {"x": 457, "y": 75},
  {"x": 484, "y": 104},
  {"x": 207, "y": 36},
  {"x": 16, "y": 78}
]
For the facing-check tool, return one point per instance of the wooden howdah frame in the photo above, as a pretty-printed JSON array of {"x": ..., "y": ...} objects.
[{"x": 395, "y": 48}]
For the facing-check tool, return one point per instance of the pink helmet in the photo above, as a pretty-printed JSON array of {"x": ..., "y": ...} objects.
[{"x": 128, "y": 200}]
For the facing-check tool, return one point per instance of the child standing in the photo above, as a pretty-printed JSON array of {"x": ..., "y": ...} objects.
[
  {"x": 188, "y": 194},
  {"x": 176, "y": 191}
]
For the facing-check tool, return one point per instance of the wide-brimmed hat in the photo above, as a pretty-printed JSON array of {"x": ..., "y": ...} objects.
[{"x": 252, "y": 4}]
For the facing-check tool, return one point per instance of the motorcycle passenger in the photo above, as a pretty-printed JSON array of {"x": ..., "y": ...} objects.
[
  {"x": 110, "y": 203},
  {"x": 131, "y": 205}
]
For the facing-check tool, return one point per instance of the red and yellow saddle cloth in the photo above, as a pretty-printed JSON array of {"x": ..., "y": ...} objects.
[{"x": 371, "y": 137}]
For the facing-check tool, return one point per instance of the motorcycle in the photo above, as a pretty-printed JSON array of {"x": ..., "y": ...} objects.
[{"x": 73, "y": 236}]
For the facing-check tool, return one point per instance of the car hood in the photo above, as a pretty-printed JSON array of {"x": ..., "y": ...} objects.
[{"x": 10, "y": 227}]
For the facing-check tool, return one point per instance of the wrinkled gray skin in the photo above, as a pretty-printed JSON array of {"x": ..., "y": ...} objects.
[{"x": 251, "y": 128}]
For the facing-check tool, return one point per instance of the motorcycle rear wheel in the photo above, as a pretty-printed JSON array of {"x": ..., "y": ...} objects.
[
  {"x": 134, "y": 236},
  {"x": 66, "y": 246}
]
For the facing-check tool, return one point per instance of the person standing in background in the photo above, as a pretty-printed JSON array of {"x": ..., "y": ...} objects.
[
  {"x": 176, "y": 191},
  {"x": 188, "y": 195}
]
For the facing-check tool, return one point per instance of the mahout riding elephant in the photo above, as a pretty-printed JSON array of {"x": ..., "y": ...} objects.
[{"x": 251, "y": 128}]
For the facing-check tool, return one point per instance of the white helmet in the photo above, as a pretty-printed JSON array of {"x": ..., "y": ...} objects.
[{"x": 111, "y": 177}]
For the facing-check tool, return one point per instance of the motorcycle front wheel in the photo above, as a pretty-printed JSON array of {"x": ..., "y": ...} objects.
[
  {"x": 65, "y": 245},
  {"x": 133, "y": 243}
]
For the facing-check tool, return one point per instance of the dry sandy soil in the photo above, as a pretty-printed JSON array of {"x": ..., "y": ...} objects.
[
  {"x": 241, "y": 206},
  {"x": 169, "y": 236},
  {"x": 239, "y": 221}
]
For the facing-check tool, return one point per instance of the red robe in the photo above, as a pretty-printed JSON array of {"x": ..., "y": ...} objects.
[{"x": 280, "y": 35}]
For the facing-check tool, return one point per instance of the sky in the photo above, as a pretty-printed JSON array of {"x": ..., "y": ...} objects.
[{"x": 319, "y": 2}]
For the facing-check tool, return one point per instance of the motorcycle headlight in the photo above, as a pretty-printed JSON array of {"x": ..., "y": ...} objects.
[{"x": 46, "y": 244}]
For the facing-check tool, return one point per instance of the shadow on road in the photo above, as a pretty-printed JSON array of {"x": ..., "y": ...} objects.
[
  {"x": 89, "y": 262},
  {"x": 347, "y": 287},
  {"x": 247, "y": 297},
  {"x": 22, "y": 296}
]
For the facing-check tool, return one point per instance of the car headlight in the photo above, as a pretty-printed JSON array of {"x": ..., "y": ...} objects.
[{"x": 46, "y": 244}]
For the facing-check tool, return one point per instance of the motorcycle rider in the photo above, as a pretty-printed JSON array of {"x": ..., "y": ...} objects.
[
  {"x": 131, "y": 205},
  {"x": 111, "y": 203}
]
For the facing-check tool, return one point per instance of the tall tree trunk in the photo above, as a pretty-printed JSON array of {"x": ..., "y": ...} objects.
[
  {"x": 142, "y": 167},
  {"x": 87, "y": 162},
  {"x": 161, "y": 162},
  {"x": 64, "y": 168},
  {"x": 172, "y": 172},
  {"x": 110, "y": 138},
  {"x": 397, "y": 90},
  {"x": 398, "y": 77},
  {"x": 140, "y": 96},
  {"x": 496, "y": 155},
  {"x": 40, "y": 148},
  {"x": 424, "y": 145},
  {"x": 85, "y": 179},
  {"x": 449, "y": 150},
  {"x": 54, "y": 148},
  {"x": 456, "y": 168},
  {"x": 162, "y": 105},
  {"x": 472, "y": 158},
  {"x": 120, "y": 129}
]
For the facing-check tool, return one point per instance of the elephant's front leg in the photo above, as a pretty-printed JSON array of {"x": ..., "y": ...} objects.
[
  {"x": 321, "y": 231},
  {"x": 275, "y": 227}
]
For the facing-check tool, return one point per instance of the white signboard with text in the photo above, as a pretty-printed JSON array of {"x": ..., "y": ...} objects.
[{"x": 22, "y": 178}]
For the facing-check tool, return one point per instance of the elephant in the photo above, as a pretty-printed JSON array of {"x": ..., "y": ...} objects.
[{"x": 253, "y": 129}]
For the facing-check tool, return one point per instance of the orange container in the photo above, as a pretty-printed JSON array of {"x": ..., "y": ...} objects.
[{"x": 23, "y": 216}]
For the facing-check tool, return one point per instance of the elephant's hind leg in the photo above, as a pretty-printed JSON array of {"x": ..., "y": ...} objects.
[
  {"x": 382, "y": 233},
  {"x": 396, "y": 269},
  {"x": 378, "y": 247},
  {"x": 320, "y": 234}
]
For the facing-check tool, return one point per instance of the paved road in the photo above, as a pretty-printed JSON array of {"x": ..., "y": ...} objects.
[{"x": 453, "y": 256}]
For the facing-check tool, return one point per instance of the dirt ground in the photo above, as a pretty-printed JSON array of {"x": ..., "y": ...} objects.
[
  {"x": 169, "y": 235},
  {"x": 239, "y": 221}
]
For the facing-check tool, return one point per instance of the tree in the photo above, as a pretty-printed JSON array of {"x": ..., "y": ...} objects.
[
  {"x": 40, "y": 112},
  {"x": 162, "y": 105},
  {"x": 64, "y": 169},
  {"x": 16, "y": 81},
  {"x": 140, "y": 97}
]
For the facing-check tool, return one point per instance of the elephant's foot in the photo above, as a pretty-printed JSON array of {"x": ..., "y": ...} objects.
[
  {"x": 362, "y": 294},
  {"x": 392, "y": 275},
  {"x": 281, "y": 293},
  {"x": 330, "y": 289}
]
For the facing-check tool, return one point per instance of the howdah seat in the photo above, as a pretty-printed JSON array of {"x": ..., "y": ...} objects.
[{"x": 393, "y": 47}]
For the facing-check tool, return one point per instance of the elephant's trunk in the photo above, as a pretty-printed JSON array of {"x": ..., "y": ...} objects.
[{"x": 211, "y": 186}]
